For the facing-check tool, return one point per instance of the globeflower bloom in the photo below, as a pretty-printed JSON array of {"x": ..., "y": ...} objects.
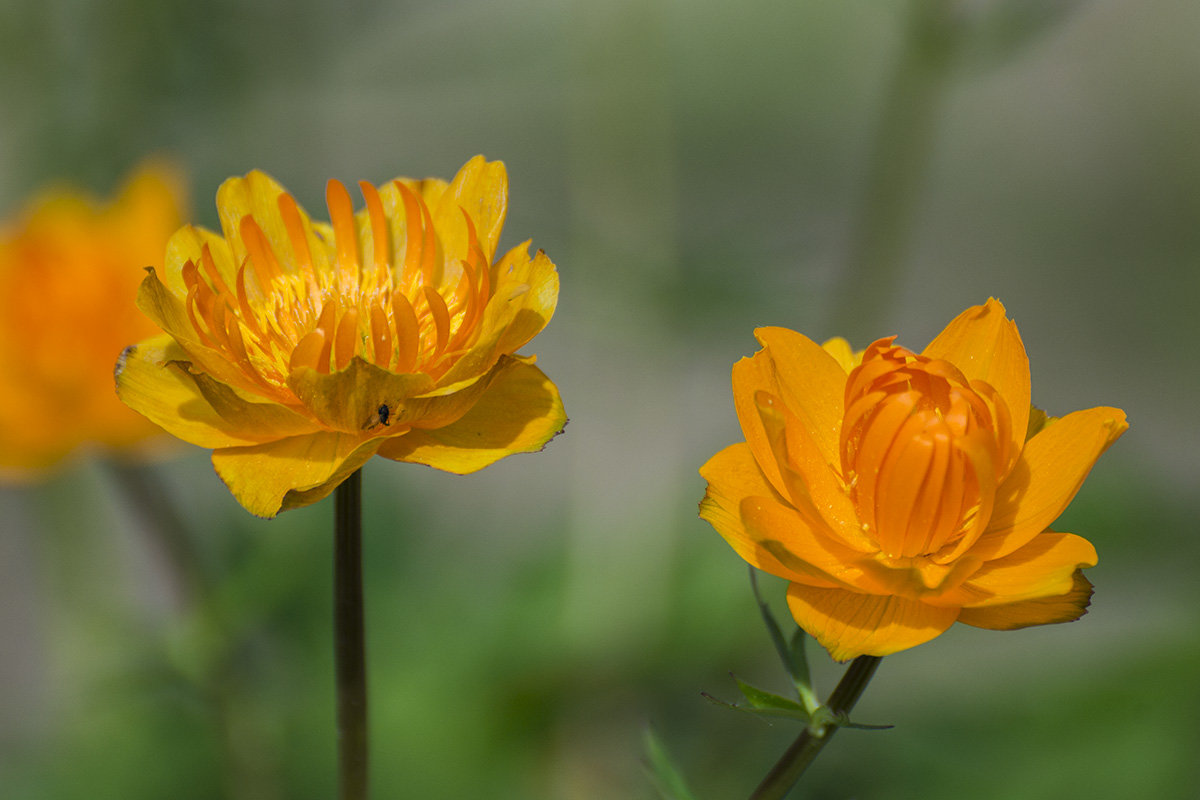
[
  {"x": 69, "y": 265},
  {"x": 297, "y": 350},
  {"x": 900, "y": 492}
]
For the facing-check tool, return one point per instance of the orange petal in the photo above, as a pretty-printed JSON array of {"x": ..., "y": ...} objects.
[
  {"x": 290, "y": 473},
  {"x": 849, "y": 624},
  {"x": 519, "y": 411},
  {"x": 153, "y": 378},
  {"x": 812, "y": 486},
  {"x": 1043, "y": 568},
  {"x": 1043, "y": 611},
  {"x": 752, "y": 377},
  {"x": 812, "y": 384},
  {"x": 733, "y": 476},
  {"x": 1046, "y": 477},
  {"x": 985, "y": 345}
]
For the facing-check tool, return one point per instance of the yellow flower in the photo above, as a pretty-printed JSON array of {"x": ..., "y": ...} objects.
[
  {"x": 68, "y": 269},
  {"x": 901, "y": 492},
  {"x": 297, "y": 350}
]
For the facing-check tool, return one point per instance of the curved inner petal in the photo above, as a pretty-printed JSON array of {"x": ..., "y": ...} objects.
[{"x": 281, "y": 308}]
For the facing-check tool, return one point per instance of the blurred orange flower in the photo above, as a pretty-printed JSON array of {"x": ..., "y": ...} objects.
[
  {"x": 901, "y": 492},
  {"x": 297, "y": 350},
  {"x": 68, "y": 268}
]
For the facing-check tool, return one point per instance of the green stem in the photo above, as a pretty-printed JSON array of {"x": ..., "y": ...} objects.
[
  {"x": 904, "y": 140},
  {"x": 808, "y": 744},
  {"x": 350, "y": 640},
  {"x": 167, "y": 530}
]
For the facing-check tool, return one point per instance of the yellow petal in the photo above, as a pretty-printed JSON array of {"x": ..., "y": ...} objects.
[
  {"x": 1042, "y": 611},
  {"x": 168, "y": 312},
  {"x": 290, "y": 473},
  {"x": 985, "y": 345},
  {"x": 849, "y": 624},
  {"x": 187, "y": 244},
  {"x": 1046, "y": 477},
  {"x": 536, "y": 305},
  {"x": 518, "y": 413},
  {"x": 1043, "y": 568},
  {"x": 257, "y": 195},
  {"x": 481, "y": 189},
  {"x": 524, "y": 300},
  {"x": 812, "y": 384},
  {"x": 153, "y": 379},
  {"x": 842, "y": 352},
  {"x": 350, "y": 399}
]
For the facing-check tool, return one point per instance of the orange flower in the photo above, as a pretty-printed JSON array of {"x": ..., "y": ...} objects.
[
  {"x": 68, "y": 268},
  {"x": 901, "y": 492},
  {"x": 297, "y": 350}
]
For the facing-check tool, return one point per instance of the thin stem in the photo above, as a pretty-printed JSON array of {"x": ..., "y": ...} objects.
[
  {"x": 904, "y": 139},
  {"x": 808, "y": 744},
  {"x": 165, "y": 527},
  {"x": 350, "y": 640}
]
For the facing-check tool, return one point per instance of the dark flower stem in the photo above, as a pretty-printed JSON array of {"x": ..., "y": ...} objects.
[
  {"x": 350, "y": 640},
  {"x": 808, "y": 744}
]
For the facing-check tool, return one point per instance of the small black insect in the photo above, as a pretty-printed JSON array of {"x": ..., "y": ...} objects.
[{"x": 382, "y": 416}]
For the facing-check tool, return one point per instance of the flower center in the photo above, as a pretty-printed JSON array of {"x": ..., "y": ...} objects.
[
  {"x": 919, "y": 453},
  {"x": 294, "y": 310}
]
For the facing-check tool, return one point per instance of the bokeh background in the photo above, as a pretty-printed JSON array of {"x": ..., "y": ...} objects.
[{"x": 696, "y": 169}]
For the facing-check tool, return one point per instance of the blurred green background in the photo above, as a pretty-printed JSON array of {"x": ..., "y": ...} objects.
[{"x": 695, "y": 169}]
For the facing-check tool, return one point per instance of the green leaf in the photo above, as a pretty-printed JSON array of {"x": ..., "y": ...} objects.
[
  {"x": 667, "y": 778},
  {"x": 798, "y": 714},
  {"x": 793, "y": 656},
  {"x": 760, "y": 698}
]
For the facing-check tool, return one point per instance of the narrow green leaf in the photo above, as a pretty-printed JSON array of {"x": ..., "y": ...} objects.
[
  {"x": 667, "y": 778},
  {"x": 792, "y": 654},
  {"x": 777, "y": 639},
  {"x": 760, "y": 698},
  {"x": 798, "y": 714}
]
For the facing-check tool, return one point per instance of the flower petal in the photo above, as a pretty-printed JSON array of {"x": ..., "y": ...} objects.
[
  {"x": 842, "y": 352},
  {"x": 1042, "y": 611},
  {"x": 524, "y": 298},
  {"x": 290, "y": 473},
  {"x": 349, "y": 400},
  {"x": 849, "y": 624},
  {"x": 985, "y": 345},
  {"x": 752, "y": 377},
  {"x": 518, "y": 412},
  {"x": 1052, "y": 467},
  {"x": 734, "y": 476},
  {"x": 812, "y": 384},
  {"x": 153, "y": 379},
  {"x": 481, "y": 189},
  {"x": 1042, "y": 568},
  {"x": 812, "y": 486},
  {"x": 167, "y": 310},
  {"x": 257, "y": 195}
]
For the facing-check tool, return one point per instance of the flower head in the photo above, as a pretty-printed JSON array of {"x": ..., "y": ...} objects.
[
  {"x": 899, "y": 492},
  {"x": 68, "y": 269},
  {"x": 297, "y": 350}
]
